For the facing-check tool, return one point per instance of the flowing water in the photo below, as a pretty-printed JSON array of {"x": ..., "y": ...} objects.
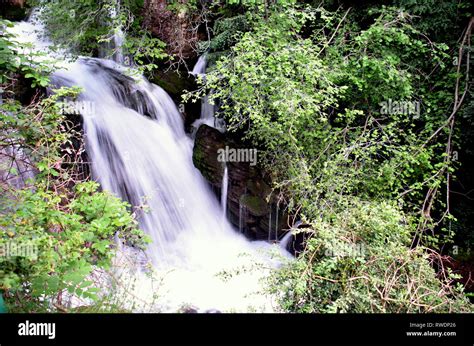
[
  {"x": 140, "y": 152},
  {"x": 224, "y": 189},
  {"x": 208, "y": 110},
  {"x": 112, "y": 48},
  {"x": 200, "y": 67}
]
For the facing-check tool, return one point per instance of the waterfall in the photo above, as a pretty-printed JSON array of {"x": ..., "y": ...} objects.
[
  {"x": 286, "y": 239},
  {"x": 207, "y": 109},
  {"x": 140, "y": 152},
  {"x": 32, "y": 41},
  {"x": 242, "y": 216},
  {"x": 117, "y": 35},
  {"x": 224, "y": 189},
  {"x": 270, "y": 223},
  {"x": 276, "y": 221},
  {"x": 200, "y": 67},
  {"x": 113, "y": 46},
  {"x": 273, "y": 230}
]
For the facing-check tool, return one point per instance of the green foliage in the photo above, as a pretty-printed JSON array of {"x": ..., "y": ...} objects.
[
  {"x": 76, "y": 24},
  {"x": 54, "y": 229},
  {"x": 88, "y": 28},
  {"x": 14, "y": 60},
  {"x": 313, "y": 105},
  {"x": 308, "y": 88},
  {"x": 70, "y": 232},
  {"x": 359, "y": 261},
  {"x": 39, "y": 129},
  {"x": 282, "y": 90},
  {"x": 146, "y": 51},
  {"x": 439, "y": 19},
  {"x": 69, "y": 239},
  {"x": 226, "y": 33}
]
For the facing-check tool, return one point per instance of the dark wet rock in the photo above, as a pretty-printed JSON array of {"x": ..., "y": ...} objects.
[
  {"x": 255, "y": 204},
  {"x": 173, "y": 82},
  {"x": 176, "y": 83},
  {"x": 15, "y": 10},
  {"x": 251, "y": 205},
  {"x": 298, "y": 240},
  {"x": 208, "y": 142}
]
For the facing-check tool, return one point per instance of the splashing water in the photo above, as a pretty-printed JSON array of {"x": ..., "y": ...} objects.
[{"x": 116, "y": 40}]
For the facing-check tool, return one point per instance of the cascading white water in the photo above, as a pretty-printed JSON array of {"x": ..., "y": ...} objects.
[
  {"x": 207, "y": 109},
  {"x": 32, "y": 41},
  {"x": 224, "y": 189},
  {"x": 270, "y": 223},
  {"x": 200, "y": 67},
  {"x": 276, "y": 221},
  {"x": 146, "y": 159},
  {"x": 140, "y": 152},
  {"x": 286, "y": 239},
  {"x": 118, "y": 35}
]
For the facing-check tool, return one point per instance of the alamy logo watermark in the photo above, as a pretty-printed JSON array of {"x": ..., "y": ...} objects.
[
  {"x": 84, "y": 108},
  {"x": 19, "y": 249},
  {"x": 237, "y": 155},
  {"x": 454, "y": 155},
  {"x": 400, "y": 108},
  {"x": 37, "y": 329}
]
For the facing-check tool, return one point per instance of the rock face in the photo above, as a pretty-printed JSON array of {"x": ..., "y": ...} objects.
[
  {"x": 175, "y": 28},
  {"x": 251, "y": 206},
  {"x": 13, "y": 9},
  {"x": 176, "y": 83}
]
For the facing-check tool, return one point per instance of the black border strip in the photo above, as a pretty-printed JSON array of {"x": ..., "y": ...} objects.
[{"x": 244, "y": 329}]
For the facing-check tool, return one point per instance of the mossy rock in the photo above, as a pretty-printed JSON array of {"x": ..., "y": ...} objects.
[
  {"x": 259, "y": 188},
  {"x": 254, "y": 204},
  {"x": 173, "y": 82},
  {"x": 199, "y": 161},
  {"x": 208, "y": 141}
]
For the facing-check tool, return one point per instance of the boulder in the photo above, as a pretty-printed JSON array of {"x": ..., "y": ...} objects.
[
  {"x": 14, "y": 10},
  {"x": 176, "y": 83},
  {"x": 251, "y": 205}
]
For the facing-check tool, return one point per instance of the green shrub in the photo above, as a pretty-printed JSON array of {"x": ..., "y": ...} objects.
[
  {"x": 69, "y": 237},
  {"x": 361, "y": 262}
]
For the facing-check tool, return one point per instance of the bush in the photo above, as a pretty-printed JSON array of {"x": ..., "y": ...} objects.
[
  {"x": 306, "y": 87},
  {"x": 67, "y": 237},
  {"x": 361, "y": 262}
]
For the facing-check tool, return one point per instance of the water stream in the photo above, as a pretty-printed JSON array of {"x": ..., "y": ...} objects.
[{"x": 140, "y": 152}]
